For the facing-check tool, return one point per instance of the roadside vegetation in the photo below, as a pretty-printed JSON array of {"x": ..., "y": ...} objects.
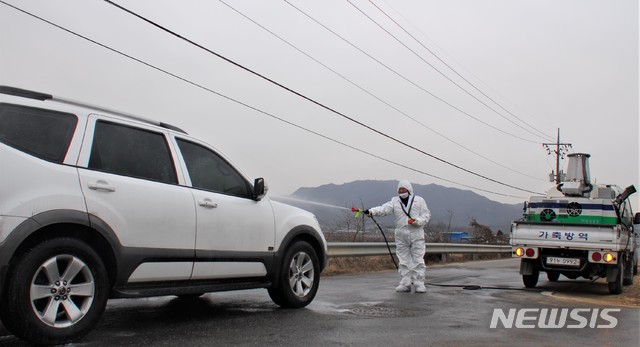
[{"x": 351, "y": 230}]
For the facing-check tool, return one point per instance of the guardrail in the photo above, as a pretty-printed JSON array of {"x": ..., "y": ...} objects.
[{"x": 363, "y": 249}]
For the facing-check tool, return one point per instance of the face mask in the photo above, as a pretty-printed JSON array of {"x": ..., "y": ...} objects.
[{"x": 404, "y": 195}]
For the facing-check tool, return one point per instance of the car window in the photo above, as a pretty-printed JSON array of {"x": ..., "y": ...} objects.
[
  {"x": 133, "y": 152},
  {"x": 209, "y": 171},
  {"x": 42, "y": 133}
]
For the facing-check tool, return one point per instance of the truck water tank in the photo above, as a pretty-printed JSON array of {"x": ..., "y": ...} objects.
[{"x": 577, "y": 182}]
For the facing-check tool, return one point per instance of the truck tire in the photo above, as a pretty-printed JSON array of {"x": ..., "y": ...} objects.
[
  {"x": 615, "y": 286},
  {"x": 55, "y": 293},
  {"x": 530, "y": 281},
  {"x": 627, "y": 276},
  {"x": 299, "y": 277},
  {"x": 553, "y": 276}
]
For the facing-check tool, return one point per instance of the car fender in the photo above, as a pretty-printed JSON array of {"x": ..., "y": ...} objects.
[{"x": 292, "y": 223}]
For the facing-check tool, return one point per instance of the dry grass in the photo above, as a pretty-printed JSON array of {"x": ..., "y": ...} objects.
[
  {"x": 631, "y": 295},
  {"x": 360, "y": 265}
]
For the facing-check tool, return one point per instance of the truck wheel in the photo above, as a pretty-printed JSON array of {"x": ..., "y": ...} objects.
[
  {"x": 530, "y": 281},
  {"x": 553, "y": 276},
  {"x": 55, "y": 293},
  {"x": 627, "y": 278},
  {"x": 299, "y": 277},
  {"x": 615, "y": 287}
]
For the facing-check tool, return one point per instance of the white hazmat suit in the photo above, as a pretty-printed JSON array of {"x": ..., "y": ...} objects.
[{"x": 410, "y": 245}]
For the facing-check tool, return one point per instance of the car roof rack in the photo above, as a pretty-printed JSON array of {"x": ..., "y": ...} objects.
[
  {"x": 43, "y": 97},
  {"x": 25, "y": 93}
]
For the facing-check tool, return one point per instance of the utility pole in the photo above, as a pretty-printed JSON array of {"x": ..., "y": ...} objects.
[{"x": 560, "y": 151}]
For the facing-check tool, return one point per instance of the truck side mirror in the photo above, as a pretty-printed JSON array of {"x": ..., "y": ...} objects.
[
  {"x": 259, "y": 189},
  {"x": 636, "y": 219}
]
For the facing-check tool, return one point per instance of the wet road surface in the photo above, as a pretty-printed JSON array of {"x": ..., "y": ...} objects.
[{"x": 364, "y": 310}]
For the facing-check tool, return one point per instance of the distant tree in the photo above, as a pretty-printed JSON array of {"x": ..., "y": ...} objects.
[
  {"x": 439, "y": 231},
  {"x": 436, "y": 232},
  {"x": 346, "y": 227},
  {"x": 480, "y": 232},
  {"x": 500, "y": 237},
  {"x": 450, "y": 217},
  {"x": 342, "y": 228}
]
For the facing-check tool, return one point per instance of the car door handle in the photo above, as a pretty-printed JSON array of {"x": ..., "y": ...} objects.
[
  {"x": 207, "y": 203},
  {"x": 102, "y": 185}
]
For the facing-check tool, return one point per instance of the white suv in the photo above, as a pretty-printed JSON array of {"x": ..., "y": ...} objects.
[{"x": 96, "y": 204}]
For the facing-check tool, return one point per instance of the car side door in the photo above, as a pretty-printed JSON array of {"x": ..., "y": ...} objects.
[
  {"x": 130, "y": 183},
  {"x": 235, "y": 233}
]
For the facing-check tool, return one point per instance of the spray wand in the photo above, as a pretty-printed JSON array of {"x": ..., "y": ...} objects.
[{"x": 357, "y": 212}]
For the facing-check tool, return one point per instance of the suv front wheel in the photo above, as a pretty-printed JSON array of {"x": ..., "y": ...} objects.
[
  {"x": 55, "y": 293},
  {"x": 299, "y": 277}
]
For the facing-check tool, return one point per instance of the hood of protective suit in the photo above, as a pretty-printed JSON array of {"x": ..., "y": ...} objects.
[{"x": 405, "y": 184}]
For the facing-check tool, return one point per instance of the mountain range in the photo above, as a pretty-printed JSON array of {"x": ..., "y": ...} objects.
[{"x": 331, "y": 203}]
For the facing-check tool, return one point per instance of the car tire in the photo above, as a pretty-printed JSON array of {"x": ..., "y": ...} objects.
[
  {"x": 55, "y": 293},
  {"x": 299, "y": 277}
]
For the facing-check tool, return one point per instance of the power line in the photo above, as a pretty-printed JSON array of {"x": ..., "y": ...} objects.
[
  {"x": 316, "y": 102},
  {"x": 440, "y": 72},
  {"x": 407, "y": 79},
  {"x": 544, "y": 136},
  {"x": 247, "y": 105},
  {"x": 371, "y": 94},
  {"x": 459, "y": 64}
]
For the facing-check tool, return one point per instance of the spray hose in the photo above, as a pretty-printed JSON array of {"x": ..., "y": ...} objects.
[{"x": 358, "y": 211}]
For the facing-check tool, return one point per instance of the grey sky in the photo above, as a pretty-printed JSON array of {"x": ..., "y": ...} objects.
[{"x": 569, "y": 64}]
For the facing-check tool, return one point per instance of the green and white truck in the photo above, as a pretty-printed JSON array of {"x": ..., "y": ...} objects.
[{"x": 578, "y": 229}]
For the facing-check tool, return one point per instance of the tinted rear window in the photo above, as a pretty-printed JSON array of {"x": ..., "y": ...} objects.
[
  {"x": 132, "y": 152},
  {"x": 42, "y": 133}
]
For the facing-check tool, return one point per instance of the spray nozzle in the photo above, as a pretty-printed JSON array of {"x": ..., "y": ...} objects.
[{"x": 356, "y": 210}]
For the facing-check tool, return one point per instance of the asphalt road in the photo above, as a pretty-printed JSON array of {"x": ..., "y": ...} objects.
[{"x": 364, "y": 310}]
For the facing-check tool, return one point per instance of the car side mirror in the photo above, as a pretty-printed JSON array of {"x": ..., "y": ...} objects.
[{"x": 259, "y": 189}]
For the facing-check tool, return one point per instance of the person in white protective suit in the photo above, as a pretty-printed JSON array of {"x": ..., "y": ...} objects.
[{"x": 411, "y": 215}]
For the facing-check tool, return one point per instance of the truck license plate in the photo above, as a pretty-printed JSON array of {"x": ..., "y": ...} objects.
[{"x": 563, "y": 261}]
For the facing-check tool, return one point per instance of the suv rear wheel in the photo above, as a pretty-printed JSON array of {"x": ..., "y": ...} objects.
[
  {"x": 55, "y": 293},
  {"x": 299, "y": 277}
]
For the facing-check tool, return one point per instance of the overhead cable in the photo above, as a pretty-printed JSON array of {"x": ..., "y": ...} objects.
[
  {"x": 316, "y": 102},
  {"x": 373, "y": 95},
  {"x": 251, "y": 107},
  {"x": 247, "y": 105},
  {"x": 544, "y": 136},
  {"x": 407, "y": 79},
  {"x": 440, "y": 72},
  {"x": 461, "y": 65}
]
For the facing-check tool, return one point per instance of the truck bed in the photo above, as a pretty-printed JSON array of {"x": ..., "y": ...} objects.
[{"x": 569, "y": 236}]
